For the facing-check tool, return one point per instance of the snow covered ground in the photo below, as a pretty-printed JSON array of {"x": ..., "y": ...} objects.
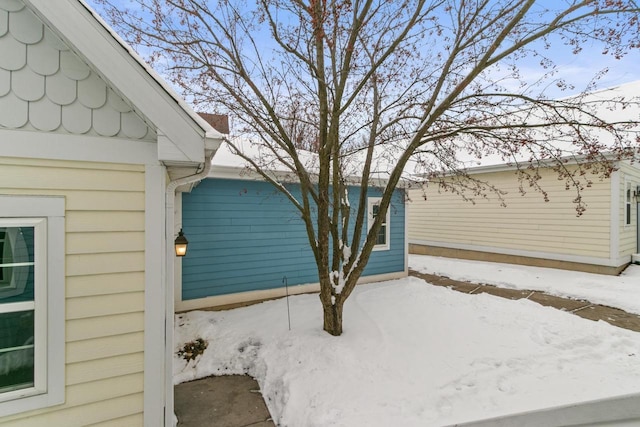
[
  {"x": 416, "y": 355},
  {"x": 616, "y": 291}
]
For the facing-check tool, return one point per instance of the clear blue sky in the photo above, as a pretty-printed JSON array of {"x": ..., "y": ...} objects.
[{"x": 575, "y": 69}]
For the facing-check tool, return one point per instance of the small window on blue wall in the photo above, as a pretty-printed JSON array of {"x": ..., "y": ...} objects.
[{"x": 382, "y": 240}]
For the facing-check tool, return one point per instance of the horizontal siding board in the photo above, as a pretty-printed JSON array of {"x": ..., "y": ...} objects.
[
  {"x": 93, "y": 221},
  {"x": 89, "y": 200},
  {"x": 526, "y": 223},
  {"x": 244, "y": 235},
  {"x": 103, "y": 305},
  {"x": 266, "y": 265},
  {"x": 105, "y": 284},
  {"x": 99, "y": 348},
  {"x": 93, "y": 243},
  {"x": 128, "y": 404},
  {"x": 94, "y": 370},
  {"x": 109, "y": 388},
  {"x": 131, "y": 420},
  {"x": 104, "y": 326},
  {"x": 12, "y": 176},
  {"x": 79, "y": 265}
]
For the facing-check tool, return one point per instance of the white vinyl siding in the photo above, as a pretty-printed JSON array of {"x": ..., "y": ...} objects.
[
  {"x": 527, "y": 223},
  {"x": 104, "y": 286}
]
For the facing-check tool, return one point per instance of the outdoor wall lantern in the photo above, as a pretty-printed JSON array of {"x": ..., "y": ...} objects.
[{"x": 181, "y": 243}]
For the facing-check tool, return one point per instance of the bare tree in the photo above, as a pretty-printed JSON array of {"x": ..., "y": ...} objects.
[{"x": 426, "y": 83}]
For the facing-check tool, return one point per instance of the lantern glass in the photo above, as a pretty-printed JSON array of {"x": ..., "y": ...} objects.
[{"x": 181, "y": 243}]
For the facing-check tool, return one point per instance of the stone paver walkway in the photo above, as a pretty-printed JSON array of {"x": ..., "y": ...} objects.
[
  {"x": 226, "y": 401},
  {"x": 582, "y": 308}
]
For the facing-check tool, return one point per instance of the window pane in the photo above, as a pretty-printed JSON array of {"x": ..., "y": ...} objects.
[
  {"x": 3, "y": 272},
  {"x": 382, "y": 236},
  {"x": 16, "y": 350},
  {"x": 16, "y": 264}
]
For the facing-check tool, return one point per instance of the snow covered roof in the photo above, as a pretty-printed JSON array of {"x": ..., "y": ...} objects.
[
  {"x": 599, "y": 102},
  {"x": 226, "y": 162}
]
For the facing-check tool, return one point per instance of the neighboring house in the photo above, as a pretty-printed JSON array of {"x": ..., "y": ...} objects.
[
  {"x": 529, "y": 230},
  {"x": 90, "y": 142},
  {"x": 246, "y": 240}
]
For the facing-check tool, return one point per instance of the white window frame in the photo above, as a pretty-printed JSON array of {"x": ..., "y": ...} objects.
[
  {"x": 371, "y": 202},
  {"x": 46, "y": 215},
  {"x": 628, "y": 196}
]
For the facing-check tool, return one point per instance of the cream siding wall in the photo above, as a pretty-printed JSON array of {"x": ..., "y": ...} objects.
[
  {"x": 104, "y": 287},
  {"x": 628, "y": 233},
  {"x": 526, "y": 224}
]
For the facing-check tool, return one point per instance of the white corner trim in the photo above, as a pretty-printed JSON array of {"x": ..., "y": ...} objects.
[
  {"x": 177, "y": 274},
  {"x": 154, "y": 297},
  {"x": 406, "y": 230},
  {"x": 608, "y": 262},
  {"x": 614, "y": 233},
  {"x": 60, "y": 146},
  {"x": 240, "y": 297}
]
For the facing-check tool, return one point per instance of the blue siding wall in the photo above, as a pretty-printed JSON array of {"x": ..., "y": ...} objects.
[{"x": 245, "y": 236}]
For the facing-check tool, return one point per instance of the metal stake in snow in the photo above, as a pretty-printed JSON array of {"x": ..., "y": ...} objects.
[{"x": 286, "y": 287}]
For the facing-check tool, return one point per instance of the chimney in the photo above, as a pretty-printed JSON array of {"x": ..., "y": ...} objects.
[{"x": 219, "y": 122}]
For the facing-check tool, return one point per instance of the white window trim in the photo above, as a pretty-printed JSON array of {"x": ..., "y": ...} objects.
[
  {"x": 628, "y": 204},
  {"x": 371, "y": 201},
  {"x": 47, "y": 215}
]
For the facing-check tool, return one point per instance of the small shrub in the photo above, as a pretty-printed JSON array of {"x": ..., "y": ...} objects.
[{"x": 193, "y": 349}]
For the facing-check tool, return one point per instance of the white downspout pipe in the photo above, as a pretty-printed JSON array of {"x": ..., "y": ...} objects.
[{"x": 170, "y": 196}]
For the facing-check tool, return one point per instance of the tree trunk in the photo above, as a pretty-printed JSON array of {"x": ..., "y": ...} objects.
[{"x": 333, "y": 318}]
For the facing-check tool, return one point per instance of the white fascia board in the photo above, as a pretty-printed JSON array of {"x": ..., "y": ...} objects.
[
  {"x": 61, "y": 146},
  {"x": 91, "y": 38},
  {"x": 154, "y": 297}
]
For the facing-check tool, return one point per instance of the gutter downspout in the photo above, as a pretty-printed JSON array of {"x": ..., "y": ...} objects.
[{"x": 170, "y": 195}]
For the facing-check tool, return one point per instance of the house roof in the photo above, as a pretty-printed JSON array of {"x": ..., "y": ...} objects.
[
  {"x": 183, "y": 135},
  {"x": 227, "y": 164},
  {"x": 599, "y": 103}
]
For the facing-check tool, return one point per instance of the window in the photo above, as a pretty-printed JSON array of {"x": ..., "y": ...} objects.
[
  {"x": 31, "y": 303},
  {"x": 627, "y": 204},
  {"x": 382, "y": 241}
]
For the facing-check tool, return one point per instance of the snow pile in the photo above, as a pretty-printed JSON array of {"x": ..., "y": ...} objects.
[
  {"x": 616, "y": 291},
  {"x": 412, "y": 355}
]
